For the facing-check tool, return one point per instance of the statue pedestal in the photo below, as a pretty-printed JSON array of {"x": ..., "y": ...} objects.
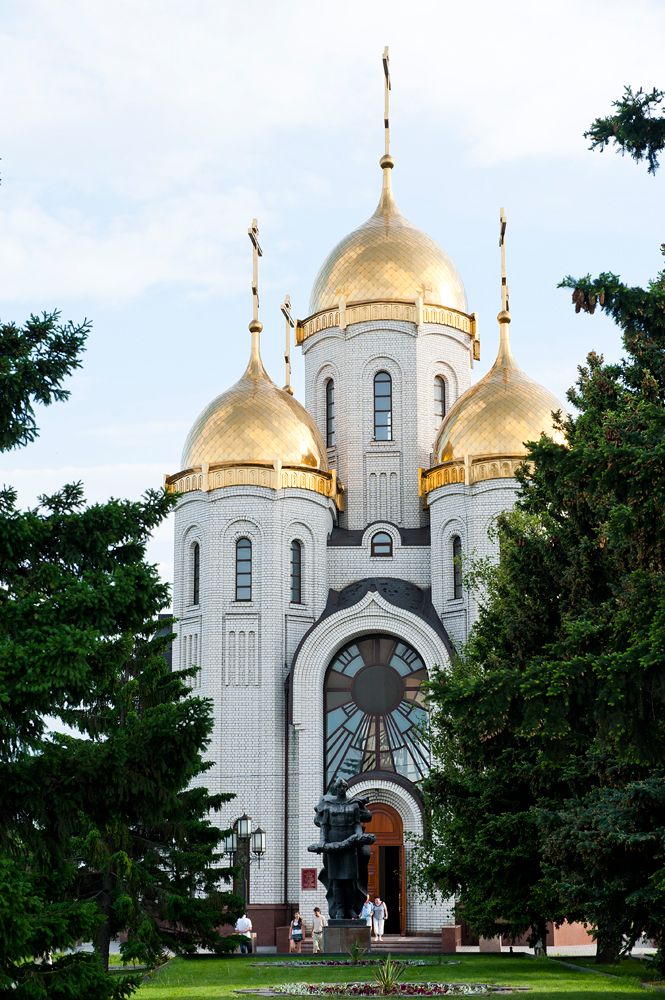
[{"x": 340, "y": 935}]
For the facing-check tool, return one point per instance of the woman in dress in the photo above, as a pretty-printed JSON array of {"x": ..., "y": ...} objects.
[
  {"x": 380, "y": 911},
  {"x": 295, "y": 934}
]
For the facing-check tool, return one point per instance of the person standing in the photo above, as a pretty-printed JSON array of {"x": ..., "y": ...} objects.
[
  {"x": 244, "y": 927},
  {"x": 366, "y": 912},
  {"x": 318, "y": 924},
  {"x": 380, "y": 913},
  {"x": 295, "y": 933}
]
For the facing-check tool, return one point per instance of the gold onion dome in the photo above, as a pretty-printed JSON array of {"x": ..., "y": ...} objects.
[
  {"x": 388, "y": 259},
  {"x": 255, "y": 422},
  {"x": 498, "y": 414}
]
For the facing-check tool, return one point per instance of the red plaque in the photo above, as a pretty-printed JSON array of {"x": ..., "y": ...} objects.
[{"x": 308, "y": 876}]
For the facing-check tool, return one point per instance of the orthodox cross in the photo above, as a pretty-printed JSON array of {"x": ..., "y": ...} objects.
[
  {"x": 290, "y": 323},
  {"x": 502, "y": 244},
  {"x": 257, "y": 252},
  {"x": 386, "y": 114}
]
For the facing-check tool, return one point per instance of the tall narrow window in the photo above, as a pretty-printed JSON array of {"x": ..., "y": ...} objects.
[
  {"x": 383, "y": 407},
  {"x": 439, "y": 401},
  {"x": 330, "y": 413},
  {"x": 296, "y": 572},
  {"x": 196, "y": 572},
  {"x": 457, "y": 567},
  {"x": 243, "y": 570}
]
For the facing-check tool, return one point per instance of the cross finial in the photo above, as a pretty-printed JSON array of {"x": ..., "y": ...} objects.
[
  {"x": 290, "y": 323},
  {"x": 502, "y": 244},
  {"x": 257, "y": 252},
  {"x": 386, "y": 114}
]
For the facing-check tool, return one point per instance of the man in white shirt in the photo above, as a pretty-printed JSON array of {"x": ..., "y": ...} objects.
[
  {"x": 244, "y": 927},
  {"x": 318, "y": 924}
]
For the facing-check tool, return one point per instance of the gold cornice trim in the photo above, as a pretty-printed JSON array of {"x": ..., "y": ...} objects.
[
  {"x": 473, "y": 469},
  {"x": 276, "y": 477},
  {"x": 410, "y": 311}
]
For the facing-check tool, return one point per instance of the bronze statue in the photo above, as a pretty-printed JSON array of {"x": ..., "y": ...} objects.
[{"x": 345, "y": 849}]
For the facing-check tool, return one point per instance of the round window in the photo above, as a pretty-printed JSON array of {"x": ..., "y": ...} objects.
[{"x": 373, "y": 710}]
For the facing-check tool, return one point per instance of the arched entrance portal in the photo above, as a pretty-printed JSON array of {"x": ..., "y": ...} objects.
[{"x": 387, "y": 872}]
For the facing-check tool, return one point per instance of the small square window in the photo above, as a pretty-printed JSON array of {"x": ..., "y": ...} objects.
[{"x": 382, "y": 544}]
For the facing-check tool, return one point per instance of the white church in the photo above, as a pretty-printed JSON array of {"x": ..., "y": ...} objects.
[{"x": 319, "y": 548}]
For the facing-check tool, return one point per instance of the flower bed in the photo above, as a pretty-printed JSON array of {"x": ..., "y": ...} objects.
[
  {"x": 346, "y": 962},
  {"x": 374, "y": 990}
]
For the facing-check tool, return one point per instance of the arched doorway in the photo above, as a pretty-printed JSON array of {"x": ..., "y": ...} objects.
[{"x": 387, "y": 873}]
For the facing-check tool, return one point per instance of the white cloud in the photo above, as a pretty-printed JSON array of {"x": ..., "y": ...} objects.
[{"x": 134, "y": 126}]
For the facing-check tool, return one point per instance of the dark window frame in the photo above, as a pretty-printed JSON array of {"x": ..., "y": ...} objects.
[
  {"x": 439, "y": 404},
  {"x": 376, "y": 544},
  {"x": 458, "y": 586},
  {"x": 196, "y": 572},
  {"x": 383, "y": 378},
  {"x": 241, "y": 571},
  {"x": 330, "y": 413},
  {"x": 296, "y": 572}
]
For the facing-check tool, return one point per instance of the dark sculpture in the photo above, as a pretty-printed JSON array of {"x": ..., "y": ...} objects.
[{"x": 345, "y": 850}]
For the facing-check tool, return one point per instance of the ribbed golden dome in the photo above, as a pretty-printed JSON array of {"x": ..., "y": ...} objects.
[
  {"x": 387, "y": 258},
  {"x": 255, "y": 421},
  {"x": 499, "y": 413}
]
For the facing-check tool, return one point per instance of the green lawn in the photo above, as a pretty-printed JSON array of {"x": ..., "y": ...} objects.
[
  {"x": 642, "y": 970},
  {"x": 208, "y": 979}
]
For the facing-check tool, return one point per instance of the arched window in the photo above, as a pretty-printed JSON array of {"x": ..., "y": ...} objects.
[
  {"x": 457, "y": 567},
  {"x": 243, "y": 570},
  {"x": 196, "y": 572},
  {"x": 383, "y": 407},
  {"x": 330, "y": 414},
  {"x": 374, "y": 709},
  {"x": 382, "y": 544},
  {"x": 296, "y": 572},
  {"x": 439, "y": 400}
]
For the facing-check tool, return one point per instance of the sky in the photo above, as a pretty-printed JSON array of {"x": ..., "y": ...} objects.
[{"x": 139, "y": 138}]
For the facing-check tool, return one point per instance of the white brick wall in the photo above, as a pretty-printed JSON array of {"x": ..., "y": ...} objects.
[
  {"x": 246, "y": 649},
  {"x": 413, "y": 356}
]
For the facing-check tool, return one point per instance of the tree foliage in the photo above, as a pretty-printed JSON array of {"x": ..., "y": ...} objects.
[
  {"x": 34, "y": 361},
  {"x": 101, "y": 831},
  {"x": 550, "y": 732},
  {"x": 633, "y": 128}
]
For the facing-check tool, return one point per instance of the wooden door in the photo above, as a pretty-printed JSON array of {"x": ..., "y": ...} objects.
[{"x": 386, "y": 825}]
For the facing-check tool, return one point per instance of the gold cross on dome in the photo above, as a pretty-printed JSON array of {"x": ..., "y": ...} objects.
[
  {"x": 290, "y": 323},
  {"x": 386, "y": 114},
  {"x": 253, "y": 233},
  {"x": 502, "y": 244}
]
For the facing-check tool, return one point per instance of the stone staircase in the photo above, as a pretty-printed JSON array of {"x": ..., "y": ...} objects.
[{"x": 397, "y": 944}]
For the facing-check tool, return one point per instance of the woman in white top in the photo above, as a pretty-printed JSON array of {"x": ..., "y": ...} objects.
[{"x": 380, "y": 912}]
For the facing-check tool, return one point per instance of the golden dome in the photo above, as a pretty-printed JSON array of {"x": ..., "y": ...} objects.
[
  {"x": 255, "y": 422},
  {"x": 498, "y": 414},
  {"x": 387, "y": 258}
]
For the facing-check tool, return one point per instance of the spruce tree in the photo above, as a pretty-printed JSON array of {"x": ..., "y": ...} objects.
[
  {"x": 79, "y": 641},
  {"x": 556, "y": 712}
]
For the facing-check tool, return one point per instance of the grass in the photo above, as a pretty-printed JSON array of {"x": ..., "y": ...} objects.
[
  {"x": 209, "y": 979},
  {"x": 627, "y": 968}
]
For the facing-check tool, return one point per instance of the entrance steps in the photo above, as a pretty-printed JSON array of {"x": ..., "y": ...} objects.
[
  {"x": 416, "y": 944},
  {"x": 397, "y": 944}
]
